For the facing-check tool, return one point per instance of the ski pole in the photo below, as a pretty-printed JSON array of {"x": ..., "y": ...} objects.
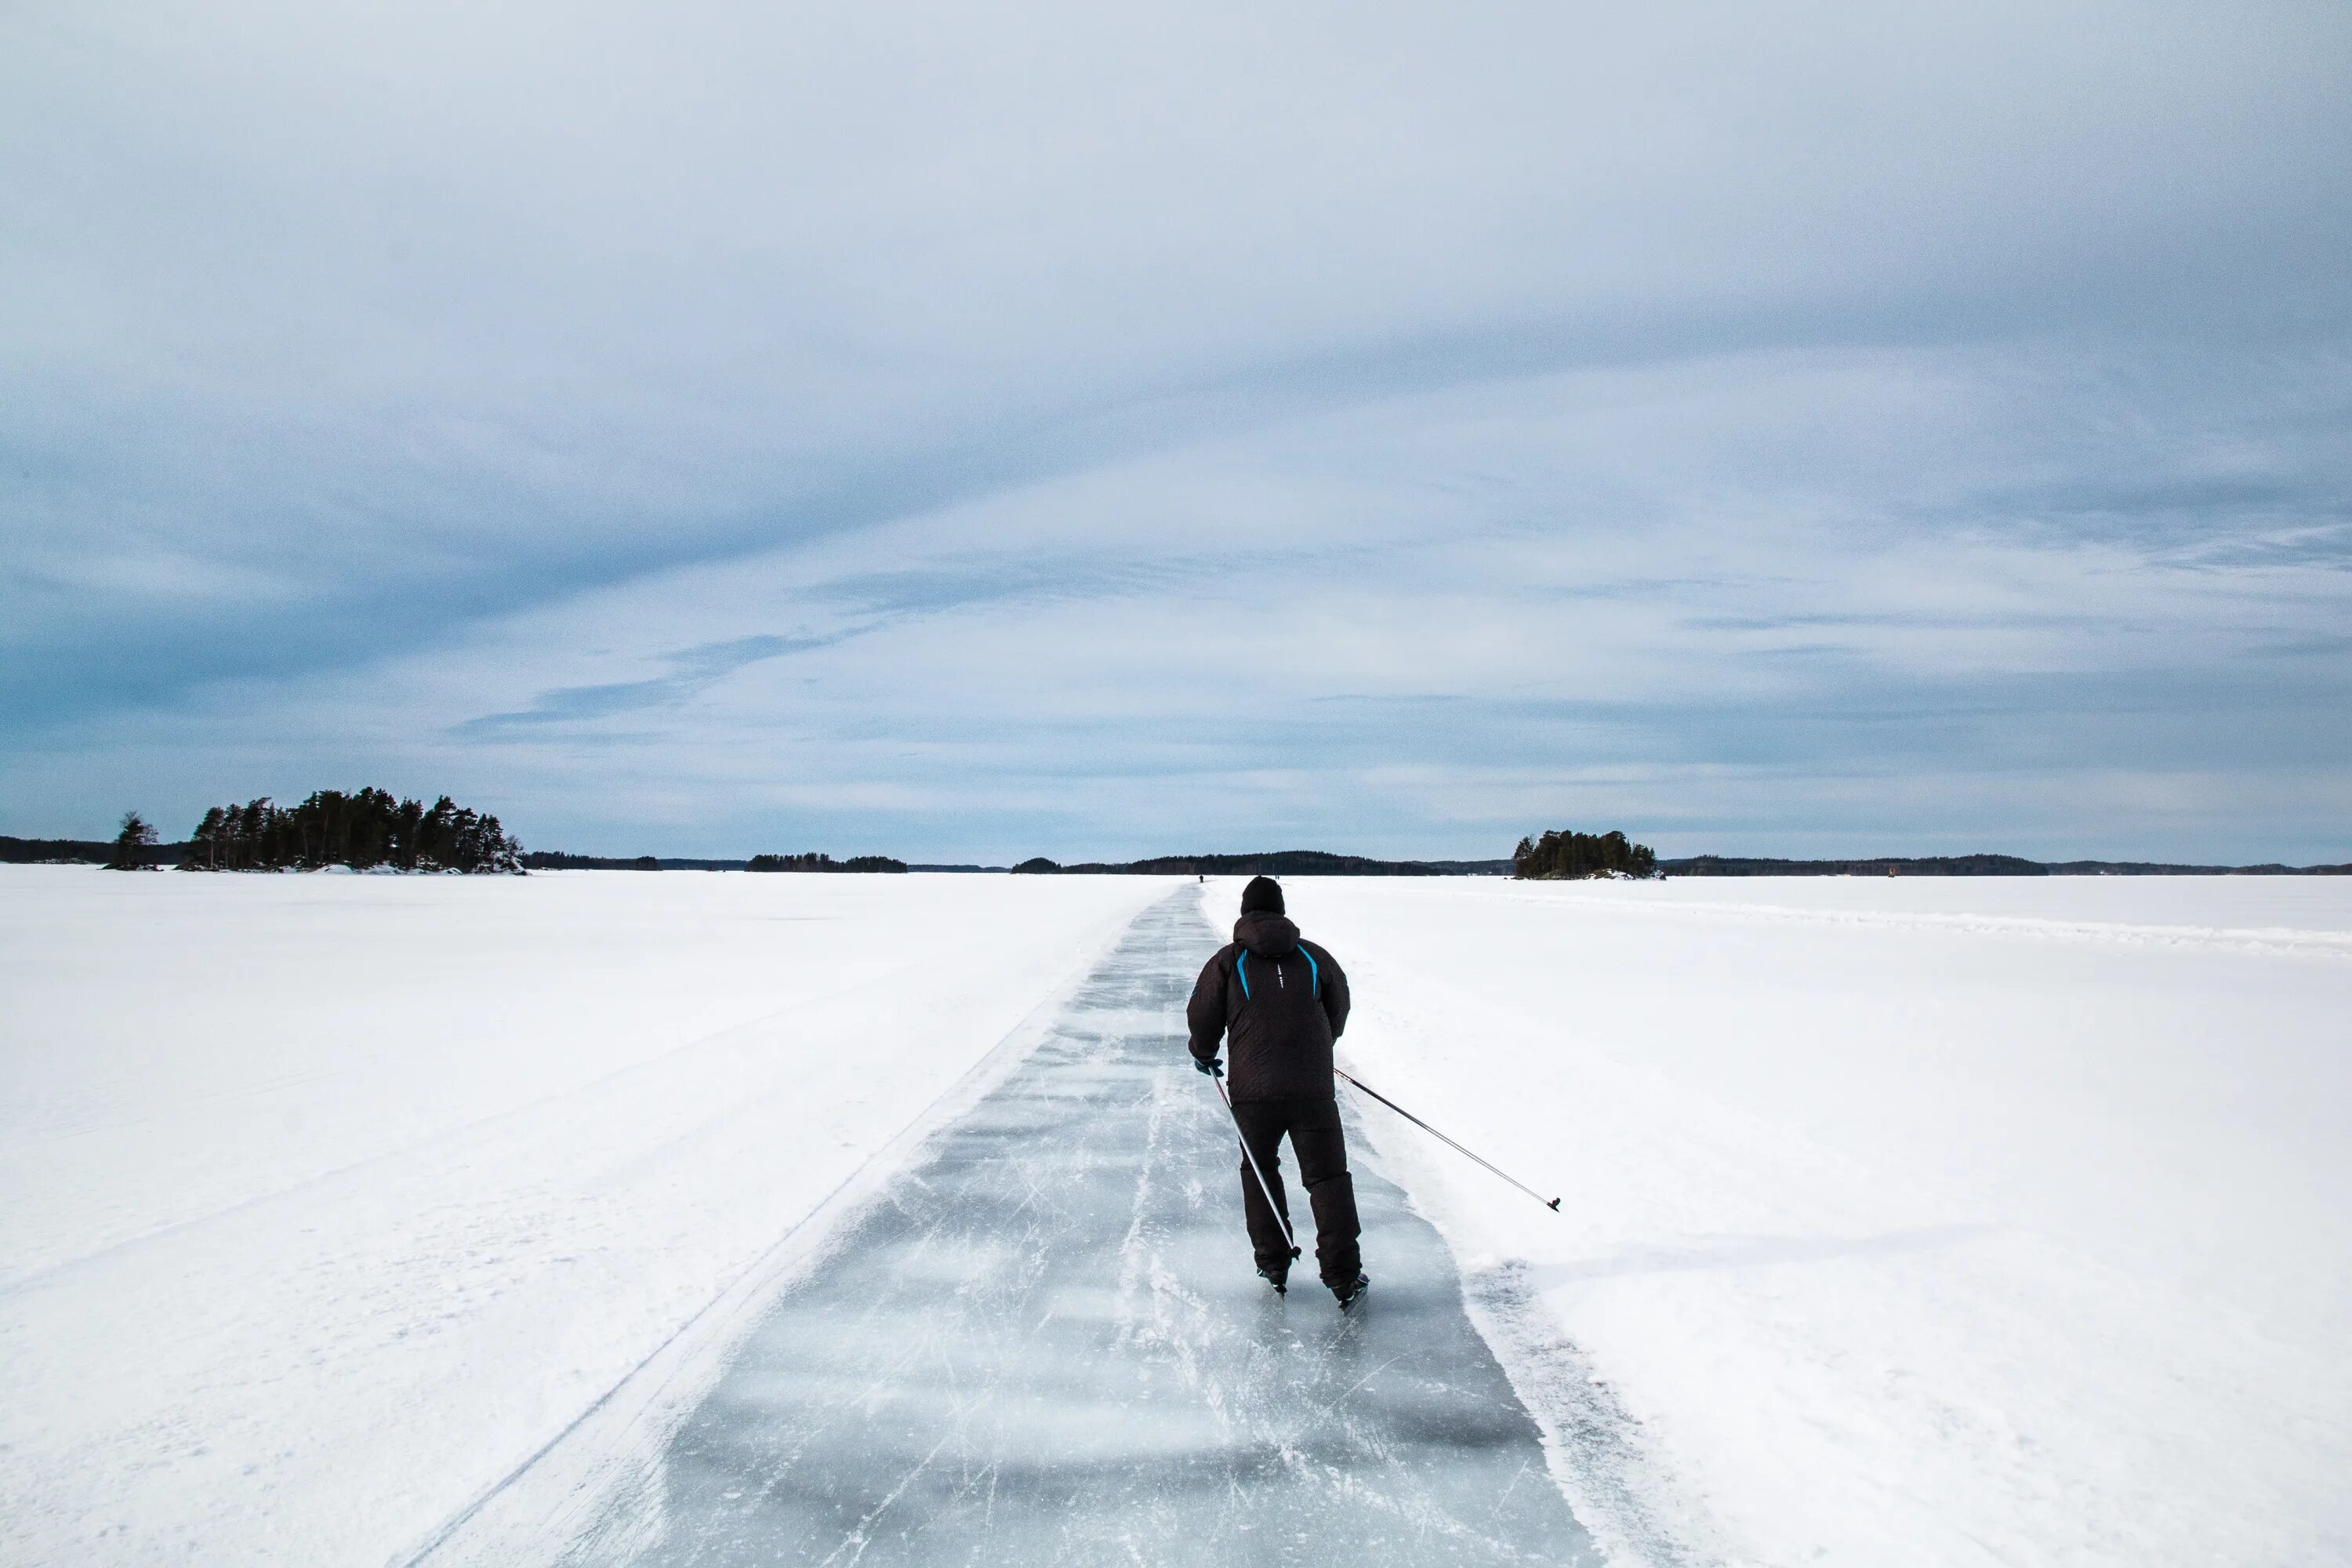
[
  {"x": 1551, "y": 1204},
  {"x": 1263, "y": 1184}
]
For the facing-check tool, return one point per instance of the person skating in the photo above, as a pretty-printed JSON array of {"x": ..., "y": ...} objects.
[{"x": 1280, "y": 1001}]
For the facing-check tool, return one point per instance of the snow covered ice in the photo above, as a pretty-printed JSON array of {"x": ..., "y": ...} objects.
[
  {"x": 345, "y": 1219},
  {"x": 326, "y": 1201},
  {"x": 1950, "y": 1221}
]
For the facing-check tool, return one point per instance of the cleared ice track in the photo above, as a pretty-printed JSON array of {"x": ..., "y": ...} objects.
[{"x": 1048, "y": 1346}]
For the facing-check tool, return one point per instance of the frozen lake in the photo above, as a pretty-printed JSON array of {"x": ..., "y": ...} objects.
[{"x": 1952, "y": 1222}]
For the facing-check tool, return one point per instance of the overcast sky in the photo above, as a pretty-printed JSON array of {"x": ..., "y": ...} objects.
[{"x": 969, "y": 432}]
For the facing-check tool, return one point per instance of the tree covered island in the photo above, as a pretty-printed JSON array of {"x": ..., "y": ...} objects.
[{"x": 366, "y": 830}]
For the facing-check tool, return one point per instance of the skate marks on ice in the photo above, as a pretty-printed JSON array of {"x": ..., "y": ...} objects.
[{"x": 1047, "y": 1345}]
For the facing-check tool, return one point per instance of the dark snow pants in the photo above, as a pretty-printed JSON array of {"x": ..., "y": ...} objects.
[{"x": 1313, "y": 1125}]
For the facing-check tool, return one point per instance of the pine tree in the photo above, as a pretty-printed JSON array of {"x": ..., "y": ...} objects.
[
  {"x": 1569, "y": 854},
  {"x": 131, "y": 844}
]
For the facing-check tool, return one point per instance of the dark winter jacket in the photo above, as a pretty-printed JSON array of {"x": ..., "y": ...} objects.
[{"x": 1280, "y": 1001}]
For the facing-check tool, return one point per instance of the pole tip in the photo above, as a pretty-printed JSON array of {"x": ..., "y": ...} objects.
[{"x": 1553, "y": 1205}]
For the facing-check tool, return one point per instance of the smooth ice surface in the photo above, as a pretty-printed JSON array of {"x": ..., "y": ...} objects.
[
  {"x": 1952, "y": 1221},
  {"x": 326, "y": 1200},
  {"x": 1049, "y": 1346}
]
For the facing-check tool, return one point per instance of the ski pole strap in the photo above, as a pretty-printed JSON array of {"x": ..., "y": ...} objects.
[{"x": 1551, "y": 1204}]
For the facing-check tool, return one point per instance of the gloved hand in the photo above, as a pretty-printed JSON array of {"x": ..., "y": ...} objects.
[{"x": 1213, "y": 1067}]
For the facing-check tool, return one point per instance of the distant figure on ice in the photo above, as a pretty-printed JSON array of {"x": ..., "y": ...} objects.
[{"x": 1281, "y": 1001}]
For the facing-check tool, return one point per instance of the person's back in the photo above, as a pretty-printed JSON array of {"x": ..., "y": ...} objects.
[
  {"x": 1286, "y": 1001},
  {"x": 1280, "y": 1001}
]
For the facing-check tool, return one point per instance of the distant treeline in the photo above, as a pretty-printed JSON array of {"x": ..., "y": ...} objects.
[
  {"x": 366, "y": 830},
  {"x": 1565, "y": 855},
  {"x": 67, "y": 851},
  {"x": 814, "y": 862},
  {"x": 1280, "y": 863},
  {"x": 558, "y": 860},
  {"x": 1973, "y": 865}
]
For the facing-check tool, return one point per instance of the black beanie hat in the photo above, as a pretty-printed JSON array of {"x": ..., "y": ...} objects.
[{"x": 1263, "y": 895}]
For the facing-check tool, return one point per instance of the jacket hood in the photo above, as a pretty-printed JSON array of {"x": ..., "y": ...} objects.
[{"x": 1266, "y": 934}]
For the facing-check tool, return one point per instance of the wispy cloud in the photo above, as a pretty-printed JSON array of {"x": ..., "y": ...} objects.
[{"x": 692, "y": 671}]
